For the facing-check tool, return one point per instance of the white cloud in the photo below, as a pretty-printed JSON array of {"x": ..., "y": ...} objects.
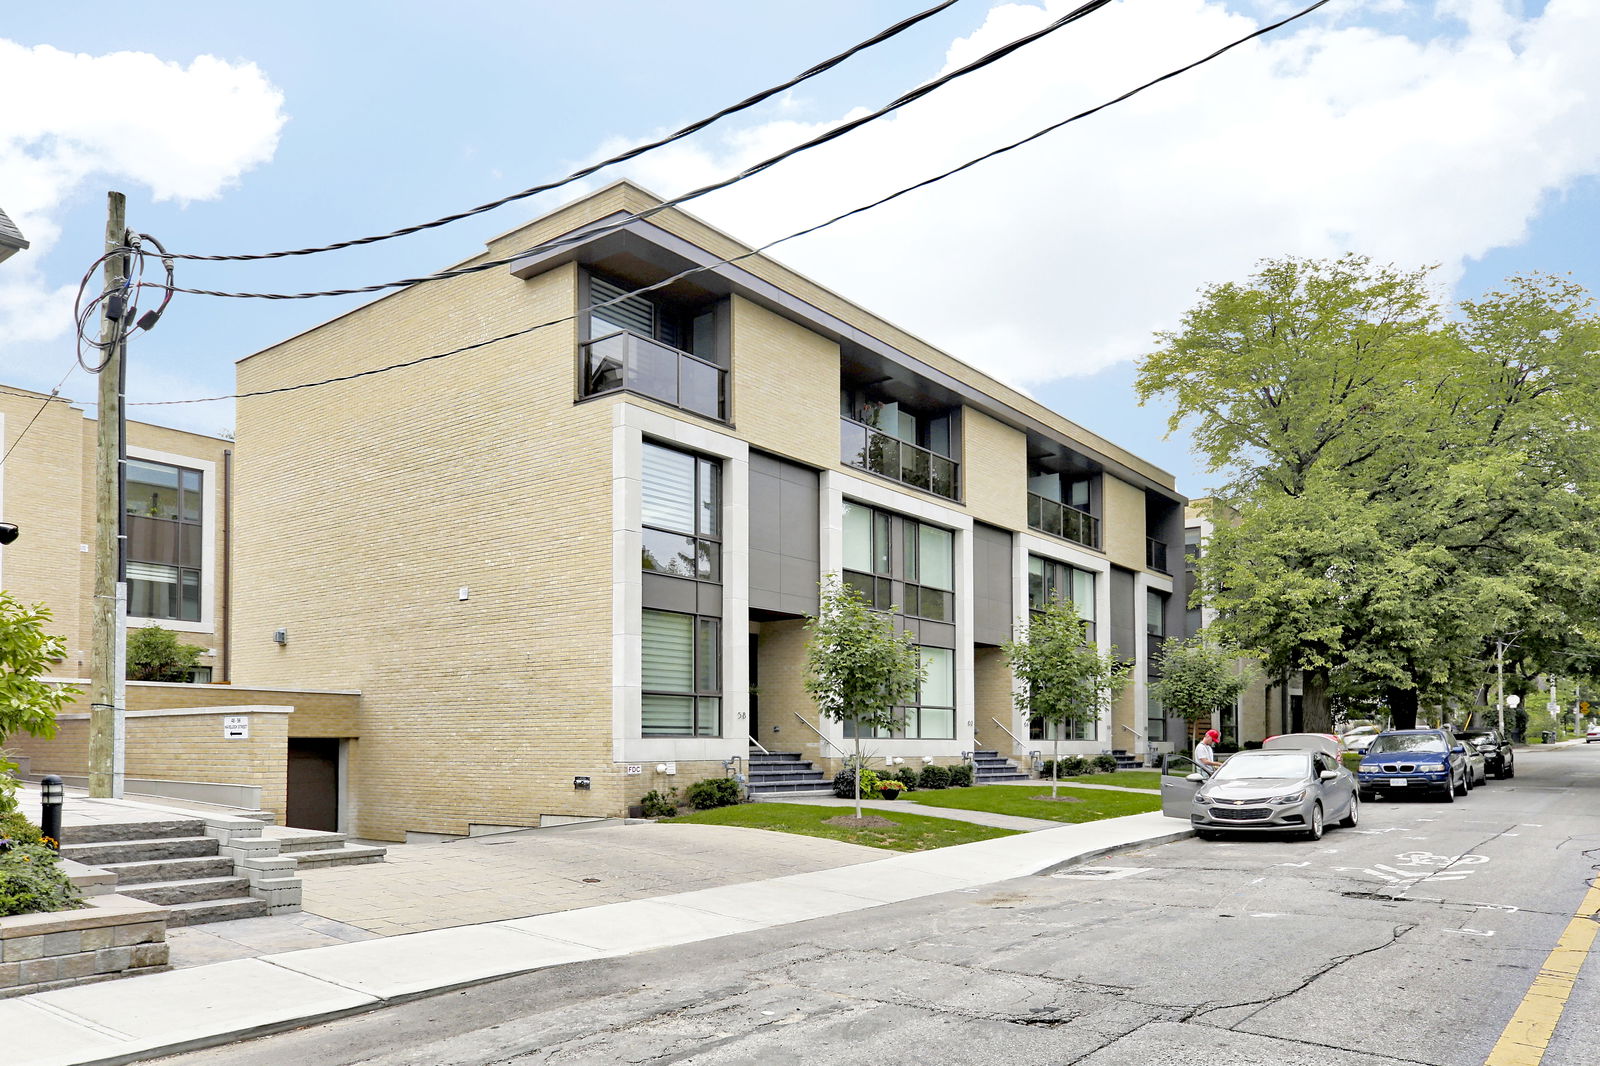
[
  {"x": 1062, "y": 257},
  {"x": 185, "y": 133}
]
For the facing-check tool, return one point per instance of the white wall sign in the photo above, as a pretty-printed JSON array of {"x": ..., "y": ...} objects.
[
  {"x": 236, "y": 726},
  {"x": 634, "y": 768}
]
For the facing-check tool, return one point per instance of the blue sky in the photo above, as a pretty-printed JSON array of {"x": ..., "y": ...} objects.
[{"x": 1456, "y": 133}]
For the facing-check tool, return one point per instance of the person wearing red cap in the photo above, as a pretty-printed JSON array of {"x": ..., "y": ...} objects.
[{"x": 1204, "y": 754}]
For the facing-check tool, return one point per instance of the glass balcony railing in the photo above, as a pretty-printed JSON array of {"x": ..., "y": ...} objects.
[
  {"x": 1060, "y": 520},
  {"x": 625, "y": 361},
  {"x": 1155, "y": 554},
  {"x": 869, "y": 449}
]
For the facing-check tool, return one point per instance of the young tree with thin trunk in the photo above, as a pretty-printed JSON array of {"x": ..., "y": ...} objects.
[
  {"x": 1198, "y": 678},
  {"x": 860, "y": 668},
  {"x": 1061, "y": 677}
]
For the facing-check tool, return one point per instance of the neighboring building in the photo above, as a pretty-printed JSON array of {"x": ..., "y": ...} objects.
[
  {"x": 176, "y": 498},
  {"x": 1267, "y": 708},
  {"x": 555, "y": 563}
]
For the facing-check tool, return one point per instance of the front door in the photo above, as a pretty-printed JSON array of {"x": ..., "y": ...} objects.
[
  {"x": 1177, "y": 791},
  {"x": 755, "y": 640}
]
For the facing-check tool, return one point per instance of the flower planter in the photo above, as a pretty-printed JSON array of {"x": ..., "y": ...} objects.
[{"x": 889, "y": 795}]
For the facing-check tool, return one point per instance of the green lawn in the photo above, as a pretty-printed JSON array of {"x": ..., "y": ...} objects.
[
  {"x": 1017, "y": 800},
  {"x": 1150, "y": 779},
  {"x": 912, "y": 832}
]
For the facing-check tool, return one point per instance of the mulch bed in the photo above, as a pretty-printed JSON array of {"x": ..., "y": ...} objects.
[
  {"x": 866, "y": 821},
  {"x": 1047, "y": 798}
]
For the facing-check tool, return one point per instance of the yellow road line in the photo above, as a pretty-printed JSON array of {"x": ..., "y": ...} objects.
[{"x": 1527, "y": 1035}]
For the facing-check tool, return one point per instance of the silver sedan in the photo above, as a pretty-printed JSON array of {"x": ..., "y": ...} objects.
[{"x": 1279, "y": 790}]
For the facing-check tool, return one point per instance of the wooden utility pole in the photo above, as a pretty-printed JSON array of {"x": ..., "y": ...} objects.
[{"x": 105, "y": 658}]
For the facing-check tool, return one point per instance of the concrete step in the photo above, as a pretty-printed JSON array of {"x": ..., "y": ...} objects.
[
  {"x": 215, "y": 910},
  {"x": 774, "y": 756},
  {"x": 140, "y": 850},
  {"x": 313, "y": 841},
  {"x": 347, "y": 855},
  {"x": 786, "y": 775},
  {"x": 111, "y": 832},
  {"x": 995, "y": 779},
  {"x": 137, "y": 873},
  {"x": 193, "y": 890}
]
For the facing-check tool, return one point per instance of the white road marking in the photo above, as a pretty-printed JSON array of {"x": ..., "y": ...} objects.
[{"x": 1475, "y": 932}]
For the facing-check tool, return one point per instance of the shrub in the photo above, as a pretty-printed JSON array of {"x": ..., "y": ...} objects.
[
  {"x": 17, "y": 829},
  {"x": 1071, "y": 766},
  {"x": 907, "y": 776},
  {"x": 156, "y": 654},
  {"x": 961, "y": 776},
  {"x": 1105, "y": 764},
  {"x": 934, "y": 776},
  {"x": 714, "y": 792},
  {"x": 844, "y": 784},
  {"x": 657, "y": 804},
  {"x": 32, "y": 881}
]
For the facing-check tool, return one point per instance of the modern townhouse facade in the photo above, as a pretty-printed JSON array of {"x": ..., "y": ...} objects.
[
  {"x": 574, "y": 565},
  {"x": 177, "y": 495}
]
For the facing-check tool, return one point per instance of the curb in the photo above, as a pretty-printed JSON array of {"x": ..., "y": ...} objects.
[{"x": 1118, "y": 849}]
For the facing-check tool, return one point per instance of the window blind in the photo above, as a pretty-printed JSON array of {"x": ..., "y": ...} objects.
[
  {"x": 667, "y": 494},
  {"x": 667, "y": 651},
  {"x": 635, "y": 312}
]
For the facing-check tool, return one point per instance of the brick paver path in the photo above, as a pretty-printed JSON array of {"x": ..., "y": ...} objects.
[{"x": 486, "y": 879}]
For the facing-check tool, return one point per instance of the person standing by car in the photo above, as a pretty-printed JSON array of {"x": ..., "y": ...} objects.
[{"x": 1204, "y": 753}]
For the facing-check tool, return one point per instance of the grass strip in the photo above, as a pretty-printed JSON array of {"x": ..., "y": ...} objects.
[
  {"x": 1092, "y": 805},
  {"x": 911, "y": 832}
]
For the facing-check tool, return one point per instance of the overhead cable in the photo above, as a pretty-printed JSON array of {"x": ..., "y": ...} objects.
[
  {"x": 831, "y": 134},
  {"x": 621, "y": 157},
  {"x": 1264, "y": 30}
]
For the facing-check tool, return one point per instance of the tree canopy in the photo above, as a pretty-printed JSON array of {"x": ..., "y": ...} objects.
[
  {"x": 1199, "y": 677},
  {"x": 1401, "y": 487},
  {"x": 860, "y": 669}
]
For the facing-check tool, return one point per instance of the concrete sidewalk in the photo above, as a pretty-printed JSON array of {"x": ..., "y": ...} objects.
[{"x": 137, "y": 1018}]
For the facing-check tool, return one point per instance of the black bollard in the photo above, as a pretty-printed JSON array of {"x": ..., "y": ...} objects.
[{"x": 51, "y": 797}]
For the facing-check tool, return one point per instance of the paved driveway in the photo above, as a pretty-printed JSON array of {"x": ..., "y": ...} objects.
[{"x": 485, "y": 879}]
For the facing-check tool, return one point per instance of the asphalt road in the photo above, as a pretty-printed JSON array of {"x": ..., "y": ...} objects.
[{"x": 1411, "y": 939}]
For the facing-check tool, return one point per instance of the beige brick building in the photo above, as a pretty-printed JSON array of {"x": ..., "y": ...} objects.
[
  {"x": 572, "y": 566},
  {"x": 177, "y": 500}
]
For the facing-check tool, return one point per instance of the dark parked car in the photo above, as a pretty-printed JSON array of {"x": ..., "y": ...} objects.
[
  {"x": 1415, "y": 760},
  {"x": 1498, "y": 755}
]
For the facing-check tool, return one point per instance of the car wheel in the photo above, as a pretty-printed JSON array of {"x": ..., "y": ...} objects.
[
  {"x": 1450, "y": 791},
  {"x": 1315, "y": 832},
  {"x": 1353, "y": 816},
  {"x": 1511, "y": 771},
  {"x": 1466, "y": 783}
]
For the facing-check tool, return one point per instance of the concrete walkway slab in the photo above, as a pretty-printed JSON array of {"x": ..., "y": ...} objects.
[
  {"x": 638, "y": 926},
  {"x": 765, "y": 903},
  {"x": 34, "y": 1034},
  {"x": 399, "y": 967},
  {"x": 188, "y": 1008}
]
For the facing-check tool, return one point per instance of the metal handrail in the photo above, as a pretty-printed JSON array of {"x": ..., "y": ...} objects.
[
  {"x": 754, "y": 743},
  {"x": 818, "y": 732},
  {"x": 1132, "y": 730},
  {"x": 1018, "y": 740},
  {"x": 1075, "y": 524}
]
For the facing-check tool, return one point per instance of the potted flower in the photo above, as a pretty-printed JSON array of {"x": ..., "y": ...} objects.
[{"x": 889, "y": 788}]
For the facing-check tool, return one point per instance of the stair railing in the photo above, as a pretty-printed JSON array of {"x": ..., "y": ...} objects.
[
  {"x": 756, "y": 744},
  {"x": 818, "y": 732},
  {"x": 1016, "y": 739}
]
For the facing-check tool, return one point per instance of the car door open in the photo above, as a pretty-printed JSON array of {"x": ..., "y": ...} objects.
[{"x": 1177, "y": 791}]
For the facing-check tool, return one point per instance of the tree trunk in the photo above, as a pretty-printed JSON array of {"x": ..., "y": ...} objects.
[
  {"x": 858, "y": 768},
  {"x": 1055, "y": 770},
  {"x": 1403, "y": 707},
  {"x": 1316, "y": 711}
]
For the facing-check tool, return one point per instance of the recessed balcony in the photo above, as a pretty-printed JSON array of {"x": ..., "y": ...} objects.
[
  {"x": 872, "y": 450},
  {"x": 624, "y": 361},
  {"x": 1061, "y": 520}
]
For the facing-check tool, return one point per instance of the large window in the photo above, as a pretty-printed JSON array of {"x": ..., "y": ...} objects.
[
  {"x": 681, "y": 509},
  {"x": 933, "y": 716},
  {"x": 166, "y": 509},
  {"x": 682, "y": 675},
  {"x": 1155, "y": 627},
  {"x": 867, "y": 554},
  {"x": 1039, "y": 729},
  {"x": 1050, "y": 580},
  {"x": 1156, "y": 721},
  {"x": 927, "y": 570}
]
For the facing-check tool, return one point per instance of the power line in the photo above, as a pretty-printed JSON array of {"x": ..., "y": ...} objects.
[
  {"x": 621, "y": 157},
  {"x": 1261, "y": 32},
  {"x": 55, "y": 394},
  {"x": 825, "y": 137}
]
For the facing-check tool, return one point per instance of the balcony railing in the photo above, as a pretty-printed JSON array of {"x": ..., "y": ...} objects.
[
  {"x": 1155, "y": 554},
  {"x": 869, "y": 449},
  {"x": 625, "y": 361},
  {"x": 1061, "y": 520}
]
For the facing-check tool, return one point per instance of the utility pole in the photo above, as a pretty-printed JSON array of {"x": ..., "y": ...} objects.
[
  {"x": 106, "y": 701},
  {"x": 1500, "y": 685}
]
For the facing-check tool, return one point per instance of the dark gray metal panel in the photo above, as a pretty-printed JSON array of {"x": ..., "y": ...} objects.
[
  {"x": 800, "y": 530},
  {"x": 708, "y": 599},
  {"x": 937, "y": 635},
  {"x": 785, "y": 548},
  {"x": 662, "y": 593},
  {"x": 798, "y": 578},
  {"x": 764, "y": 575},
  {"x": 991, "y": 584},
  {"x": 1123, "y": 635}
]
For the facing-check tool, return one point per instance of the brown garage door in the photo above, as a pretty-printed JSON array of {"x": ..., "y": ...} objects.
[{"x": 313, "y": 784}]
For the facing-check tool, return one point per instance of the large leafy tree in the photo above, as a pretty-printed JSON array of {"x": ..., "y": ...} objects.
[
  {"x": 860, "y": 668},
  {"x": 1061, "y": 677},
  {"x": 1406, "y": 489}
]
